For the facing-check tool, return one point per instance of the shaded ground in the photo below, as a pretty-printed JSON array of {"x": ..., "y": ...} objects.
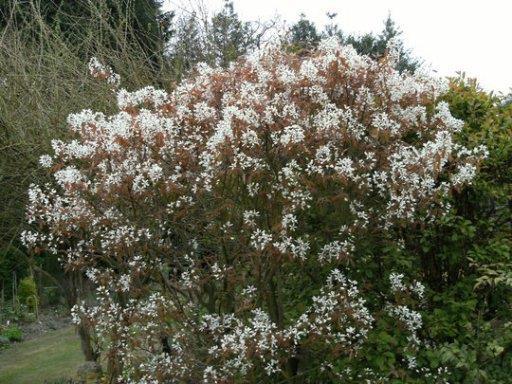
[
  {"x": 51, "y": 356},
  {"x": 49, "y": 320}
]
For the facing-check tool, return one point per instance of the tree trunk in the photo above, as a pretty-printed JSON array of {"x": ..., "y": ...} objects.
[{"x": 85, "y": 341}]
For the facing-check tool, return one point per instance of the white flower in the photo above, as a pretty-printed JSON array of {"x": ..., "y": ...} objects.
[
  {"x": 260, "y": 239},
  {"x": 289, "y": 221},
  {"x": 124, "y": 282},
  {"x": 250, "y": 216},
  {"x": 69, "y": 175},
  {"x": 396, "y": 280},
  {"x": 155, "y": 172},
  {"x": 464, "y": 175},
  {"x": 293, "y": 134},
  {"x": 46, "y": 161},
  {"x": 249, "y": 290},
  {"x": 250, "y": 138},
  {"x": 309, "y": 70},
  {"x": 418, "y": 289}
]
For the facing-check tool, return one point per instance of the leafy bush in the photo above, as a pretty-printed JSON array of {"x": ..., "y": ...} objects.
[
  {"x": 12, "y": 332},
  {"x": 225, "y": 224},
  {"x": 12, "y": 313},
  {"x": 467, "y": 256}
]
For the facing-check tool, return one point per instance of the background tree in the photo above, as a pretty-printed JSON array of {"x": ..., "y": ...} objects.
[
  {"x": 304, "y": 35},
  {"x": 188, "y": 46},
  {"x": 228, "y": 36},
  {"x": 375, "y": 46},
  {"x": 217, "y": 40},
  {"x": 142, "y": 20}
]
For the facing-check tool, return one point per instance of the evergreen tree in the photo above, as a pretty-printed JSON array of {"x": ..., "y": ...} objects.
[
  {"x": 217, "y": 40},
  {"x": 332, "y": 29},
  {"x": 375, "y": 46},
  {"x": 188, "y": 46},
  {"x": 229, "y": 37},
  {"x": 304, "y": 34}
]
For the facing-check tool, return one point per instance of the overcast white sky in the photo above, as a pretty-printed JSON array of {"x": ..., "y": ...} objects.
[{"x": 450, "y": 35}]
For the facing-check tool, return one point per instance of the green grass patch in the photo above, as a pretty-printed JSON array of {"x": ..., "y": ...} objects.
[{"x": 49, "y": 357}]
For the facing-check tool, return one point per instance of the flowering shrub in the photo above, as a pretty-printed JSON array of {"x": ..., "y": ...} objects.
[{"x": 220, "y": 223}]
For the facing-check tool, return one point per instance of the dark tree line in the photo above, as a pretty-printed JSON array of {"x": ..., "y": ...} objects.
[
  {"x": 304, "y": 34},
  {"x": 184, "y": 36}
]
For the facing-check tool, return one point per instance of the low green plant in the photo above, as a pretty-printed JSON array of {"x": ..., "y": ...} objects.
[
  {"x": 13, "y": 333},
  {"x": 10, "y": 313}
]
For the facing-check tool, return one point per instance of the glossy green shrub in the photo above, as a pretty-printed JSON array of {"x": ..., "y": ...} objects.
[{"x": 465, "y": 257}]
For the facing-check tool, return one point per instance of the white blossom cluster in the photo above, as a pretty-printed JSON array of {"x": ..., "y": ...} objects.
[
  {"x": 397, "y": 285},
  {"x": 338, "y": 317},
  {"x": 408, "y": 318},
  {"x": 99, "y": 70},
  {"x": 178, "y": 203}
]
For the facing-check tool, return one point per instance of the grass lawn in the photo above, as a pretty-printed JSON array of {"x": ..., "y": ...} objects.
[{"x": 51, "y": 356}]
